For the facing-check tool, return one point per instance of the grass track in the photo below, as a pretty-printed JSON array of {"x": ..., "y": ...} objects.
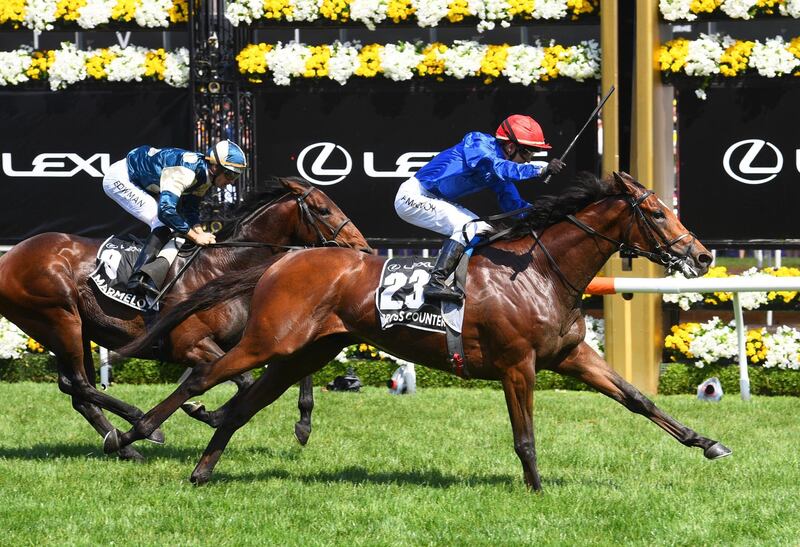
[{"x": 436, "y": 468}]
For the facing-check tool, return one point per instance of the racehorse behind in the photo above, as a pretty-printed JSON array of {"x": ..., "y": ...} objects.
[
  {"x": 45, "y": 290},
  {"x": 522, "y": 315}
]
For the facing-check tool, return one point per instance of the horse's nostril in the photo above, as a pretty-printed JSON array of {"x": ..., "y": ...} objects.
[{"x": 704, "y": 259}]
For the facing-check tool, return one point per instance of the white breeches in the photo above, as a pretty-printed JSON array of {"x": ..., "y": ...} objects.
[
  {"x": 419, "y": 207},
  {"x": 118, "y": 186}
]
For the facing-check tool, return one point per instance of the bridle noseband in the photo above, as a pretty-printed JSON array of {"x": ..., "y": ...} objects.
[
  {"x": 663, "y": 252},
  {"x": 311, "y": 217}
]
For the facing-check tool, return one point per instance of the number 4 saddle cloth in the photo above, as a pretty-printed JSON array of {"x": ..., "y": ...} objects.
[{"x": 399, "y": 299}]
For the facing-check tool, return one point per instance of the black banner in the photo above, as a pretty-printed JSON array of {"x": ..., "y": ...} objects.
[
  {"x": 739, "y": 163},
  {"x": 54, "y": 147},
  {"x": 359, "y": 143}
]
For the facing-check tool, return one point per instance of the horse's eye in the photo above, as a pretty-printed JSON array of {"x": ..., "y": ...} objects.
[
  {"x": 324, "y": 211},
  {"x": 659, "y": 214}
]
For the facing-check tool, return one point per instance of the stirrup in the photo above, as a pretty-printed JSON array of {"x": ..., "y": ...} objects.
[
  {"x": 141, "y": 285},
  {"x": 437, "y": 292}
]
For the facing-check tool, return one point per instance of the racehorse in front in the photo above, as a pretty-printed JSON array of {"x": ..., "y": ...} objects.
[
  {"x": 45, "y": 290},
  {"x": 522, "y": 314}
]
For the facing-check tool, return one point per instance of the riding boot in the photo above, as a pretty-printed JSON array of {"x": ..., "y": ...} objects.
[
  {"x": 139, "y": 282},
  {"x": 446, "y": 264}
]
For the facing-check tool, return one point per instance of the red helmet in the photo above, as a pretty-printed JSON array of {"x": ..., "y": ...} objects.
[{"x": 523, "y": 130}]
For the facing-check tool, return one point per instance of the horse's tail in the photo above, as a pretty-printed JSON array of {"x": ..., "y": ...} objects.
[{"x": 222, "y": 289}]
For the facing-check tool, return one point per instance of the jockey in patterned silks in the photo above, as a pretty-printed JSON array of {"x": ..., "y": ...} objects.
[
  {"x": 479, "y": 161},
  {"x": 153, "y": 183}
]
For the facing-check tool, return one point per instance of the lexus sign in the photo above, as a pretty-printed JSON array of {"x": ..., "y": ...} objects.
[{"x": 743, "y": 170}]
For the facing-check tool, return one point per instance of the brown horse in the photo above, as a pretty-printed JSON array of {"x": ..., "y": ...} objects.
[
  {"x": 522, "y": 314},
  {"x": 45, "y": 290}
]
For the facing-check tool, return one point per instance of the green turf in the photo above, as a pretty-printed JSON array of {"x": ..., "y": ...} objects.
[{"x": 435, "y": 468}]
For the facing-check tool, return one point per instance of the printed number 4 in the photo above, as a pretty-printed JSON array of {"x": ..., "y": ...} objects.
[{"x": 396, "y": 281}]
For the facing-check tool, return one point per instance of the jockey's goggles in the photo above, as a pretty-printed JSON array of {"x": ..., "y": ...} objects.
[
  {"x": 525, "y": 152},
  {"x": 230, "y": 175}
]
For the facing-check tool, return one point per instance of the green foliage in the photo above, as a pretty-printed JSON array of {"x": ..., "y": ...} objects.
[
  {"x": 31, "y": 367},
  {"x": 680, "y": 378},
  {"x": 143, "y": 371}
]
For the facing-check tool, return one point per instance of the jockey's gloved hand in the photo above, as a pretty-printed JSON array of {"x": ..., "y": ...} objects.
[{"x": 555, "y": 166}]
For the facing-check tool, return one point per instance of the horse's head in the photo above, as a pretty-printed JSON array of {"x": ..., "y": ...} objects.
[
  {"x": 322, "y": 218},
  {"x": 656, "y": 233}
]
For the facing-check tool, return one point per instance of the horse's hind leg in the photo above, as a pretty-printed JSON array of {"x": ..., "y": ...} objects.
[
  {"x": 518, "y": 383},
  {"x": 305, "y": 403},
  {"x": 584, "y": 363}
]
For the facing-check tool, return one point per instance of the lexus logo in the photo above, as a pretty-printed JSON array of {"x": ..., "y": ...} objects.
[
  {"x": 745, "y": 171},
  {"x": 322, "y": 175}
]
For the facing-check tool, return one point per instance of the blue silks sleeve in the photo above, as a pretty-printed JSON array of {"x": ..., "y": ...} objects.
[
  {"x": 168, "y": 212},
  {"x": 481, "y": 151},
  {"x": 508, "y": 197},
  {"x": 190, "y": 208}
]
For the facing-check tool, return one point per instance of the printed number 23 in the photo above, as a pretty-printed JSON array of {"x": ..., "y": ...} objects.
[{"x": 396, "y": 281}]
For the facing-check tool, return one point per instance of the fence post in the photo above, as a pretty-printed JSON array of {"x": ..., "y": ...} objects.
[
  {"x": 744, "y": 376},
  {"x": 105, "y": 368}
]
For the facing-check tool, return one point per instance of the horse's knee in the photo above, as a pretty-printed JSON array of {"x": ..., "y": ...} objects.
[
  {"x": 64, "y": 384},
  {"x": 525, "y": 449},
  {"x": 305, "y": 403},
  {"x": 639, "y": 404}
]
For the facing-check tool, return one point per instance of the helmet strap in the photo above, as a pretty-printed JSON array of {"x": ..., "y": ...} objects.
[{"x": 510, "y": 132}]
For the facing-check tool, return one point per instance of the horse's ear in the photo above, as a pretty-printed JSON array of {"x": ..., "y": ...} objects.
[{"x": 618, "y": 182}]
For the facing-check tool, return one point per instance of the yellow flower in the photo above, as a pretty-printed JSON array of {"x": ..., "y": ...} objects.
[
  {"x": 794, "y": 49},
  {"x": 400, "y": 10},
  {"x": 682, "y": 335},
  {"x": 34, "y": 346},
  {"x": 457, "y": 10},
  {"x": 755, "y": 348},
  {"x": 432, "y": 63},
  {"x": 494, "y": 61},
  {"x": 155, "y": 63},
  {"x": 579, "y": 7},
  {"x": 38, "y": 68},
  {"x": 369, "y": 61},
  {"x": 521, "y": 7},
  {"x": 68, "y": 9},
  {"x": 97, "y": 63},
  {"x": 552, "y": 55},
  {"x": 768, "y": 6},
  {"x": 672, "y": 55},
  {"x": 179, "y": 12},
  {"x": 253, "y": 59},
  {"x": 335, "y": 10},
  {"x": 783, "y": 271},
  {"x": 735, "y": 59},
  {"x": 124, "y": 10},
  {"x": 13, "y": 11},
  {"x": 277, "y": 9},
  {"x": 704, "y": 6},
  {"x": 317, "y": 62}
]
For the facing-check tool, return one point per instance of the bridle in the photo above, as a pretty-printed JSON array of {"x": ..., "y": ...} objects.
[
  {"x": 312, "y": 218},
  {"x": 663, "y": 248}
]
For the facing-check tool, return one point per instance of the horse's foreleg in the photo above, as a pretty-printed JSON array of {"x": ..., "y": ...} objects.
[
  {"x": 518, "y": 382},
  {"x": 585, "y": 364},
  {"x": 305, "y": 403}
]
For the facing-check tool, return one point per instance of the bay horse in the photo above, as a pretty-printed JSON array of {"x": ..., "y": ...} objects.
[
  {"x": 45, "y": 290},
  {"x": 522, "y": 314}
]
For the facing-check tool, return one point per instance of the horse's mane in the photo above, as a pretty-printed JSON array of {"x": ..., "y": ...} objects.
[
  {"x": 270, "y": 189},
  {"x": 586, "y": 188}
]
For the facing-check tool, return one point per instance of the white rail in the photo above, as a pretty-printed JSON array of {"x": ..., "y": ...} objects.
[{"x": 735, "y": 285}]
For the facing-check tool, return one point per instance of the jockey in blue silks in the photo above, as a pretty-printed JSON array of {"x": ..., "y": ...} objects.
[
  {"x": 152, "y": 184},
  {"x": 478, "y": 162}
]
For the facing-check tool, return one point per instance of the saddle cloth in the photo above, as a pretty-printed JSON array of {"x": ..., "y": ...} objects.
[
  {"x": 399, "y": 301},
  {"x": 115, "y": 260}
]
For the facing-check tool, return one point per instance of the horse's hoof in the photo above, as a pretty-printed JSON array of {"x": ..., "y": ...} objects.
[
  {"x": 130, "y": 454},
  {"x": 156, "y": 437},
  {"x": 111, "y": 442},
  {"x": 717, "y": 451},
  {"x": 199, "y": 478},
  {"x": 301, "y": 433},
  {"x": 193, "y": 407}
]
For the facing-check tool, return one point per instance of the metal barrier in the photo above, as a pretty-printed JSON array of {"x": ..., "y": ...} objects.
[{"x": 622, "y": 285}]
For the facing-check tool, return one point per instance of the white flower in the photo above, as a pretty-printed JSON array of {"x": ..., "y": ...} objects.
[
  {"x": 305, "y": 10},
  {"x": 463, "y": 58},
  {"x": 783, "y": 349},
  {"x": 286, "y": 61},
  {"x": 176, "y": 68},
  {"x": 95, "y": 12},
  {"x": 369, "y": 12},
  {"x": 343, "y": 62},
  {"x": 772, "y": 58},
  {"x": 524, "y": 64},
  {"x": 40, "y": 14},
  {"x": 738, "y": 9},
  {"x": 12, "y": 340},
  {"x": 153, "y": 13},
  {"x": 581, "y": 62},
  {"x": 489, "y": 11},
  {"x": 790, "y": 8},
  {"x": 430, "y": 12},
  {"x": 674, "y": 10},
  {"x": 13, "y": 65},
  {"x": 69, "y": 66},
  {"x": 704, "y": 54},
  {"x": 595, "y": 334},
  {"x": 244, "y": 11},
  {"x": 700, "y": 94},
  {"x": 713, "y": 342},
  {"x": 754, "y": 300},
  {"x": 128, "y": 65},
  {"x": 398, "y": 60},
  {"x": 549, "y": 9}
]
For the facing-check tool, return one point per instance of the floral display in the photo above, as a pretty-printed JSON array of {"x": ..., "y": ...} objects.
[
  {"x": 713, "y": 55},
  {"x": 69, "y": 65},
  {"x": 402, "y": 61},
  {"x": 688, "y": 10},
  {"x": 749, "y": 300},
  {"x": 44, "y": 15},
  {"x": 714, "y": 342},
  {"x": 427, "y": 13}
]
